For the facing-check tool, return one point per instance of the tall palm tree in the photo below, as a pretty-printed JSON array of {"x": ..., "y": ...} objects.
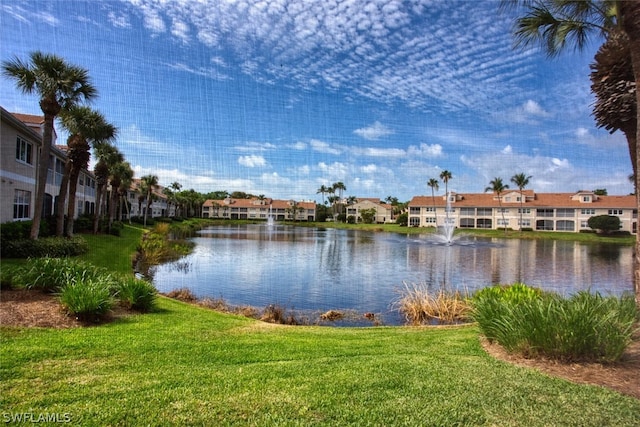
[
  {"x": 497, "y": 186},
  {"x": 107, "y": 156},
  {"x": 85, "y": 126},
  {"x": 148, "y": 185},
  {"x": 445, "y": 176},
  {"x": 322, "y": 191},
  {"x": 339, "y": 188},
  {"x": 59, "y": 85},
  {"x": 613, "y": 85},
  {"x": 557, "y": 25},
  {"x": 435, "y": 186},
  {"x": 521, "y": 180}
]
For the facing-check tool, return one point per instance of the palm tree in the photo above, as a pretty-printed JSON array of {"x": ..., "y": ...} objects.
[
  {"x": 614, "y": 88},
  {"x": 497, "y": 186},
  {"x": 435, "y": 186},
  {"x": 107, "y": 155},
  {"x": 148, "y": 185},
  {"x": 322, "y": 191},
  {"x": 85, "y": 126},
  {"x": 339, "y": 188},
  {"x": 445, "y": 176},
  {"x": 556, "y": 25},
  {"x": 521, "y": 180},
  {"x": 59, "y": 86}
]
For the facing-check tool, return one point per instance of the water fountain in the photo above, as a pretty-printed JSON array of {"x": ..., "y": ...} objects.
[
  {"x": 270, "y": 220},
  {"x": 444, "y": 235}
]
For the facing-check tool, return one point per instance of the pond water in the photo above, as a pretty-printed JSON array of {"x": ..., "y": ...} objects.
[{"x": 315, "y": 270}]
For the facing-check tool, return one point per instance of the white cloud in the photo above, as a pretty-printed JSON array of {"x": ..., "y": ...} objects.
[
  {"x": 530, "y": 112},
  {"x": 425, "y": 150},
  {"x": 375, "y": 131},
  {"x": 119, "y": 20},
  {"x": 324, "y": 147},
  {"x": 252, "y": 161}
]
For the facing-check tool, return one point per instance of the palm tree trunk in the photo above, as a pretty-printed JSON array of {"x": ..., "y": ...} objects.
[
  {"x": 98, "y": 213},
  {"x": 62, "y": 197},
  {"x": 630, "y": 12},
  {"x": 43, "y": 167},
  {"x": 71, "y": 206}
]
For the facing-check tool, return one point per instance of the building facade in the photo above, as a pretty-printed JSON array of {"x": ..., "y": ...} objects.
[
  {"x": 259, "y": 208},
  {"x": 383, "y": 211},
  {"x": 514, "y": 209},
  {"x": 21, "y": 139}
]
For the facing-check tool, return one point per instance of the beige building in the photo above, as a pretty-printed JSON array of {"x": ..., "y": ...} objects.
[
  {"x": 525, "y": 209},
  {"x": 383, "y": 215},
  {"x": 259, "y": 208},
  {"x": 20, "y": 138}
]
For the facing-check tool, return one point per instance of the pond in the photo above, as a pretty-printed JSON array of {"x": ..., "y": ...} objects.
[{"x": 313, "y": 270}]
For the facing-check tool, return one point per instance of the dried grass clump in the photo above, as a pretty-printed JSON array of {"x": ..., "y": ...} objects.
[
  {"x": 182, "y": 294},
  {"x": 420, "y": 305}
]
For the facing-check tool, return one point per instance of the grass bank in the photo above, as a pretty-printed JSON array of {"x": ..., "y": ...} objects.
[{"x": 185, "y": 365}]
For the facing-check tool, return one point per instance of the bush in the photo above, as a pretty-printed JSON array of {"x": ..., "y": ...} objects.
[
  {"x": 51, "y": 274},
  {"x": 604, "y": 223},
  {"x": 584, "y": 327},
  {"x": 137, "y": 294},
  {"x": 402, "y": 219},
  {"x": 44, "y": 247},
  {"x": 86, "y": 300}
]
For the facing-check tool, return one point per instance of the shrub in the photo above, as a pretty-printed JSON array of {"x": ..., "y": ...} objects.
[
  {"x": 51, "y": 274},
  {"x": 86, "y": 300},
  {"x": 584, "y": 327},
  {"x": 44, "y": 247},
  {"x": 402, "y": 219},
  {"x": 137, "y": 294},
  {"x": 421, "y": 305}
]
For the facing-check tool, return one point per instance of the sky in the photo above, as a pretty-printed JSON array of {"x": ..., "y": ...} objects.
[{"x": 280, "y": 97}]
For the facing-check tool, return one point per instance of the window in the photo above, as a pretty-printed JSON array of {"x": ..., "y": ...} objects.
[
  {"x": 467, "y": 223},
  {"x": 584, "y": 224},
  {"x": 565, "y": 225},
  {"x": 586, "y": 199},
  {"x": 565, "y": 213},
  {"x": 544, "y": 225},
  {"x": 524, "y": 210},
  {"x": 430, "y": 209},
  {"x": 414, "y": 221},
  {"x": 503, "y": 222},
  {"x": 615, "y": 211},
  {"x": 503, "y": 210},
  {"x": 467, "y": 211},
  {"x": 587, "y": 211},
  {"x": 21, "y": 204},
  {"x": 414, "y": 210},
  {"x": 484, "y": 223},
  {"x": 524, "y": 223},
  {"x": 430, "y": 220},
  {"x": 24, "y": 151},
  {"x": 544, "y": 212},
  {"x": 485, "y": 211}
]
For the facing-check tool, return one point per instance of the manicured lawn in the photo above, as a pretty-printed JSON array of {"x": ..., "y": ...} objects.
[
  {"x": 113, "y": 252},
  {"x": 185, "y": 365}
]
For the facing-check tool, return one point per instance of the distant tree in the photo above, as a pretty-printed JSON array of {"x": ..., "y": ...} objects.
[
  {"x": 604, "y": 223},
  {"x": 59, "y": 86},
  {"x": 148, "y": 186},
  {"x": 497, "y": 187},
  {"x": 521, "y": 180},
  {"x": 322, "y": 191},
  {"x": 368, "y": 215},
  {"x": 403, "y": 219},
  {"x": 600, "y": 191},
  {"x": 445, "y": 176}
]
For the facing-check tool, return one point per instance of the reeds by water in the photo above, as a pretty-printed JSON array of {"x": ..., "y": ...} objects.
[{"x": 422, "y": 305}]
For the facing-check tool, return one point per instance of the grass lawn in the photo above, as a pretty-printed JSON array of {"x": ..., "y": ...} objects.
[{"x": 185, "y": 365}]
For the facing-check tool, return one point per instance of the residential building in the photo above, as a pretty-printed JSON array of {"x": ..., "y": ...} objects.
[
  {"x": 514, "y": 209},
  {"x": 20, "y": 139},
  {"x": 137, "y": 202},
  {"x": 384, "y": 211},
  {"x": 259, "y": 208}
]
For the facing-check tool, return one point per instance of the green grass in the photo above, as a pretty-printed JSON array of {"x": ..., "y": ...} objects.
[
  {"x": 185, "y": 365},
  {"x": 113, "y": 252}
]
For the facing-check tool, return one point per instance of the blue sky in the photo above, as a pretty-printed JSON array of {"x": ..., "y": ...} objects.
[{"x": 280, "y": 97}]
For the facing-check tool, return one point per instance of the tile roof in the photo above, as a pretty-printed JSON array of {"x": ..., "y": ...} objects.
[{"x": 535, "y": 200}]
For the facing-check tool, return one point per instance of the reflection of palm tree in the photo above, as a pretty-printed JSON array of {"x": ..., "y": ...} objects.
[
  {"x": 433, "y": 183},
  {"x": 521, "y": 180},
  {"x": 497, "y": 186},
  {"x": 59, "y": 86}
]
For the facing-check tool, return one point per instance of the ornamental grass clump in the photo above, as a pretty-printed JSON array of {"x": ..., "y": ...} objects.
[
  {"x": 51, "y": 274},
  {"x": 583, "y": 327},
  {"x": 421, "y": 305},
  {"x": 136, "y": 294},
  {"x": 86, "y": 300}
]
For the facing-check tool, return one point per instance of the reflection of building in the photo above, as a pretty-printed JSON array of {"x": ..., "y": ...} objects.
[
  {"x": 259, "y": 208},
  {"x": 21, "y": 138},
  {"x": 539, "y": 211},
  {"x": 383, "y": 211}
]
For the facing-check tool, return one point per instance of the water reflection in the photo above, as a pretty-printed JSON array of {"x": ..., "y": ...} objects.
[{"x": 322, "y": 269}]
